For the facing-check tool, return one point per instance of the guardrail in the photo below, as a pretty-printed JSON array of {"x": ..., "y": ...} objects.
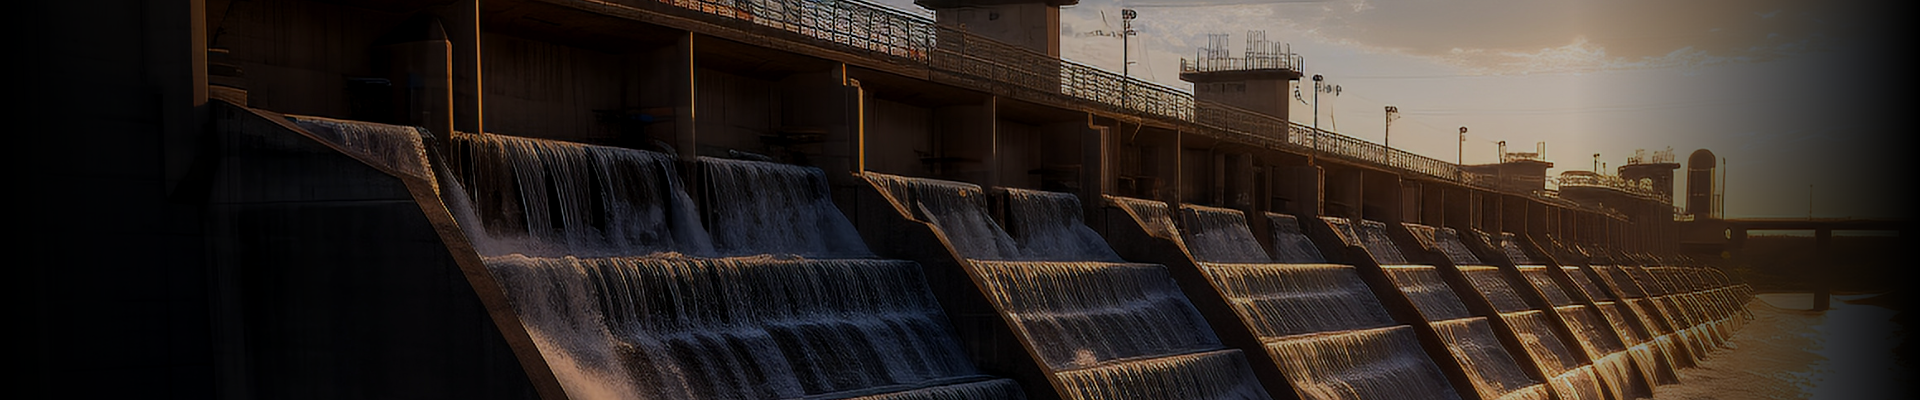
[
  {"x": 1216, "y": 64},
  {"x": 958, "y": 57},
  {"x": 1641, "y": 189}
]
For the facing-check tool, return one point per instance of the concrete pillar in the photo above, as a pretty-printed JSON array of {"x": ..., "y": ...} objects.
[
  {"x": 684, "y": 92},
  {"x": 1495, "y": 212},
  {"x": 1458, "y": 208},
  {"x": 1179, "y": 187},
  {"x": 1344, "y": 191},
  {"x": 1096, "y": 173},
  {"x": 966, "y": 141},
  {"x": 461, "y": 19},
  {"x": 1380, "y": 197},
  {"x": 853, "y": 124},
  {"x": 421, "y": 69},
  {"x": 1433, "y": 205},
  {"x": 994, "y": 151},
  {"x": 1513, "y": 213},
  {"x": 1410, "y": 197},
  {"x": 1306, "y": 185}
]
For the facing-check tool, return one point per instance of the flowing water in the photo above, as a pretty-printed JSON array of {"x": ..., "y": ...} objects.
[
  {"x": 1319, "y": 322},
  {"x": 1290, "y": 244},
  {"x": 1470, "y": 339},
  {"x": 754, "y": 285},
  {"x": 1510, "y": 245},
  {"x": 768, "y": 208},
  {"x": 1429, "y": 292},
  {"x": 1382, "y": 363},
  {"x": 1493, "y": 371},
  {"x": 1047, "y": 226},
  {"x": 1220, "y": 235},
  {"x": 625, "y": 292},
  {"x": 1107, "y": 329}
]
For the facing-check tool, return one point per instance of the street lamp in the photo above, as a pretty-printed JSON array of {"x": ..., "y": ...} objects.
[
  {"x": 1319, "y": 86},
  {"x": 1126, "y": 29},
  {"x": 1460, "y": 153}
]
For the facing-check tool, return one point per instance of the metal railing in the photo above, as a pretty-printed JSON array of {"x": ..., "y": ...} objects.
[
  {"x": 1287, "y": 61},
  {"x": 1637, "y": 188},
  {"x": 955, "y": 56}
]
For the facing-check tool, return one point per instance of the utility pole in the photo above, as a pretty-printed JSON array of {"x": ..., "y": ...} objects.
[{"x": 1460, "y": 153}]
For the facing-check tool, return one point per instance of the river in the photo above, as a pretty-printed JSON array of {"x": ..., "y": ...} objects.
[{"x": 1787, "y": 352}]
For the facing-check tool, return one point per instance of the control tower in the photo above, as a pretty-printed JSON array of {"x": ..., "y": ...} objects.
[
  {"x": 1658, "y": 170},
  {"x": 1032, "y": 24},
  {"x": 1258, "y": 80}
]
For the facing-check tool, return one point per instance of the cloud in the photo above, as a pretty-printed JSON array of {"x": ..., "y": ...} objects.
[{"x": 1512, "y": 37}]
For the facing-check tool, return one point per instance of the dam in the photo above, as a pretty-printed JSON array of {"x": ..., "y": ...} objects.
[{"x": 828, "y": 199}]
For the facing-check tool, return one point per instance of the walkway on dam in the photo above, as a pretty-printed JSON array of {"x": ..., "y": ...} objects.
[{"x": 1786, "y": 353}]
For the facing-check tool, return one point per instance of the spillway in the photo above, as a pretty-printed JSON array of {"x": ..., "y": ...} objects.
[
  {"x": 1102, "y": 328},
  {"x": 1565, "y": 361},
  {"x": 630, "y": 289},
  {"x": 753, "y": 284},
  {"x": 1319, "y": 322},
  {"x": 1470, "y": 338}
]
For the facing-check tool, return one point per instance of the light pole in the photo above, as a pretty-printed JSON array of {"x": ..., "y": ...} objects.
[
  {"x": 1596, "y": 163},
  {"x": 1318, "y": 86},
  {"x": 1126, "y": 29},
  {"x": 1314, "y": 157},
  {"x": 1460, "y": 153},
  {"x": 1386, "y": 139}
]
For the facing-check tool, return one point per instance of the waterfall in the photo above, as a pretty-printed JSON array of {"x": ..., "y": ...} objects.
[
  {"x": 399, "y": 149},
  {"x": 1371, "y": 235},
  {"x": 1429, "y": 293},
  {"x": 957, "y": 209},
  {"x": 1220, "y": 235},
  {"x": 1286, "y": 300},
  {"x": 602, "y": 255},
  {"x": 1105, "y": 328},
  {"x": 1493, "y": 371},
  {"x": 1511, "y": 245},
  {"x": 770, "y": 208},
  {"x": 1586, "y": 324},
  {"x": 1539, "y": 340},
  {"x": 1047, "y": 226},
  {"x": 1620, "y": 281},
  {"x": 1580, "y": 278},
  {"x": 1538, "y": 276},
  {"x": 1493, "y": 285},
  {"x": 1152, "y": 215},
  {"x": 1363, "y": 364},
  {"x": 1319, "y": 322},
  {"x": 1446, "y": 240},
  {"x": 1079, "y": 315},
  {"x": 1219, "y": 375},
  {"x": 672, "y": 328},
  {"x": 549, "y": 198},
  {"x": 1290, "y": 244}
]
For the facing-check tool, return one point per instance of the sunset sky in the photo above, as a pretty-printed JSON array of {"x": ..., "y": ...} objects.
[{"x": 1791, "y": 93}]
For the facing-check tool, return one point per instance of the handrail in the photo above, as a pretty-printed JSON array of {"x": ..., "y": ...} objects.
[{"x": 956, "y": 56}]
